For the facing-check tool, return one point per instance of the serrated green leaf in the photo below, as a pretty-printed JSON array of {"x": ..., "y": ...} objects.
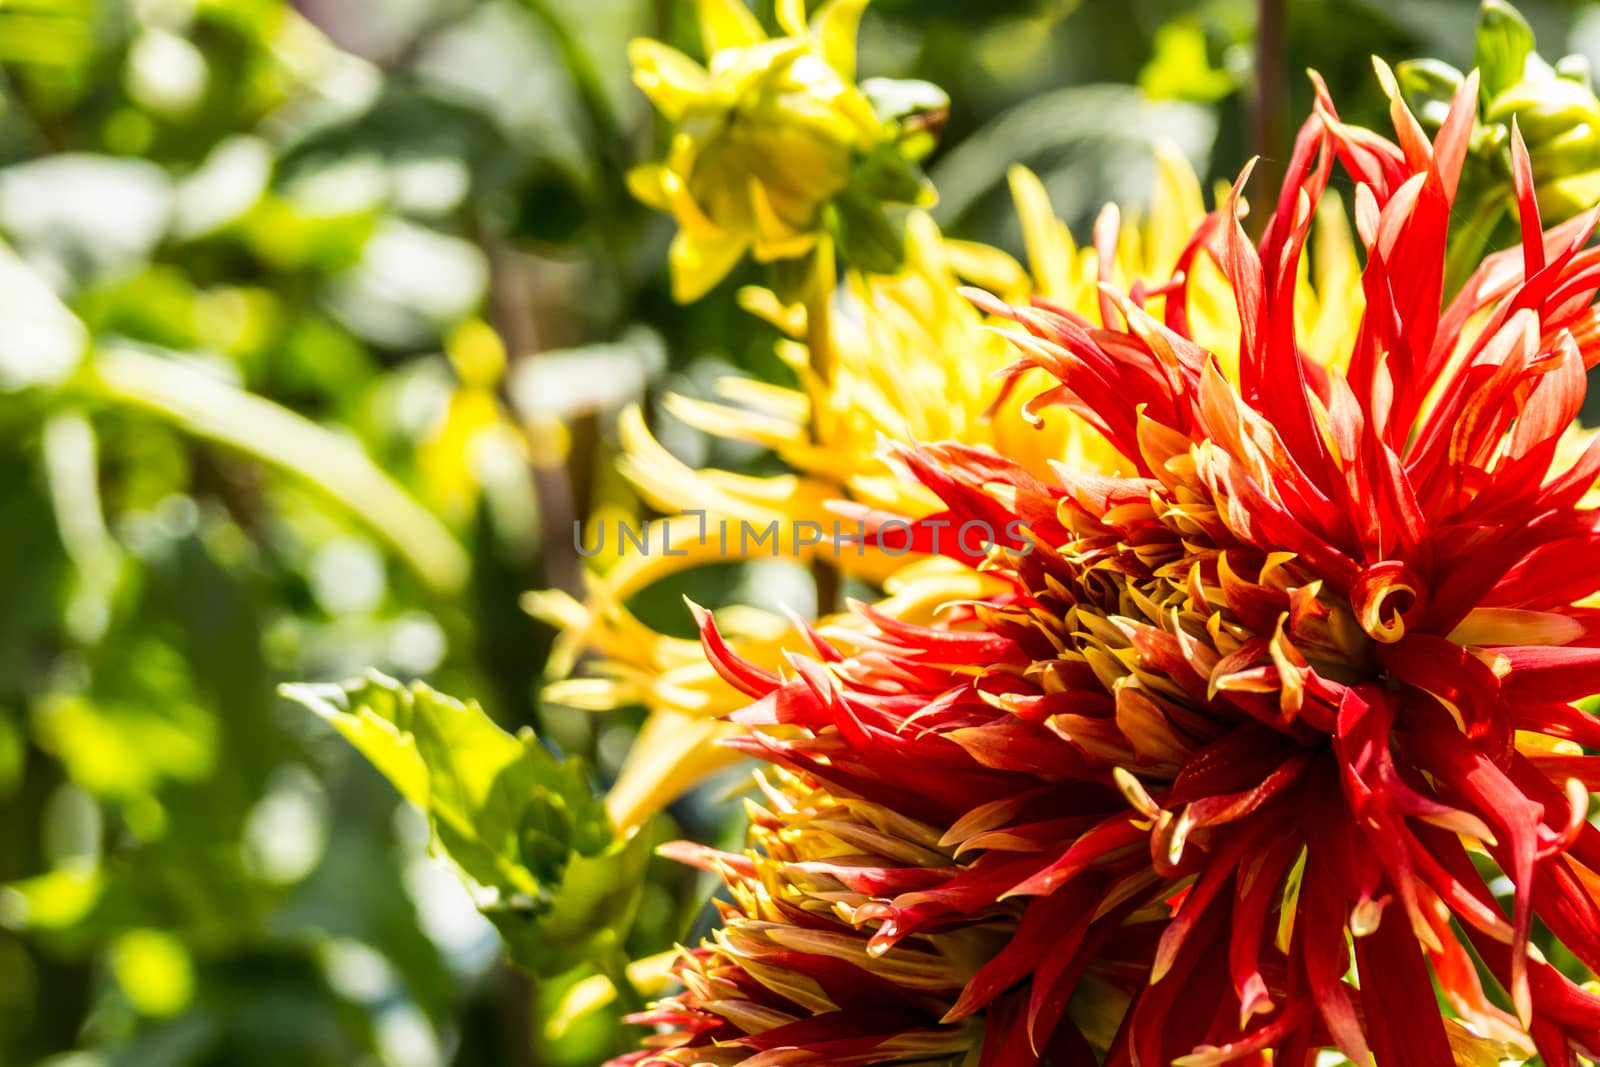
[
  {"x": 1504, "y": 42},
  {"x": 371, "y": 725},
  {"x": 590, "y": 913},
  {"x": 520, "y": 824}
]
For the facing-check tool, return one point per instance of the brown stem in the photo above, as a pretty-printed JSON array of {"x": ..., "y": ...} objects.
[
  {"x": 1269, "y": 107},
  {"x": 519, "y": 1017},
  {"x": 512, "y": 313},
  {"x": 819, "y": 346}
]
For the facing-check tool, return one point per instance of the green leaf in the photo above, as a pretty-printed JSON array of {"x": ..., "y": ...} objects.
[
  {"x": 124, "y": 749},
  {"x": 1427, "y": 86},
  {"x": 590, "y": 913},
  {"x": 1180, "y": 67},
  {"x": 885, "y": 175},
  {"x": 524, "y": 827},
  {"x": 55, "y": 900},
  {"x": 202, "y": 405},
  {"x": 1504, "y": 42},
  {"x": 868, "y": 238}
]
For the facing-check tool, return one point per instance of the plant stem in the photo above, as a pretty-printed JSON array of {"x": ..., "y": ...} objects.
[
  {"x": 1469, "y": 240},
  {"x": 1269, "y": 107},
  {"x": 614, "y": 965},
  {"x": 819, "y": 345}
]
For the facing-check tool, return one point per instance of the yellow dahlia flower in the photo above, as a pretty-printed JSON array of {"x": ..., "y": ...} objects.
[{"x": 913, "y": 361}]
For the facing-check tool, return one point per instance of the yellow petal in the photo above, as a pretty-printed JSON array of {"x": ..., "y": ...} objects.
[
  {"x": 671, "y": 485},
  {"x": 598, "y": 694},
  {"x": 1332, "y": 291},
  {"x": 698, "y": 264},
  {"x": 775, "y": 239},
  {"x": 765, "y": 305},
  {"x": 603, "y": 626},
  {"x": 1468, "y": 1049},
  {"x": 928, "y": 257},
  {"x": 835, "y": 29},
  {"x": 662, "y": 549},
  {"x": 1050, "y": 248},
  {"x": 779, "y": 401},
  {"x": 648, "y": 184},
  {"x": 735, "y": 423},
  {"x": 1177, "y": 208},
  {"x": 447, "y": 457},
  {"x": 792, "y": 17},
  {"x": 683, "y": 207},
  {"x": 570, "y": 620},
  {"x": 728, "y": 24},
  {"x": 650, "y": 976},
  {"x": 672, "y": 753},
  {"x": 736, "y": 71},
  {"x": 986, "y": 267},
  {"x": 669, "y": 78},
  {"x": 1515, "y": 626},
  {"x": 477, "y": 354}
]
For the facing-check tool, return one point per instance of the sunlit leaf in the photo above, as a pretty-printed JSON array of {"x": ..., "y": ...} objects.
[
  {"x": 51, "y": 901},
  {"x": 122, "y": 749},
  {"x": 1501, "y": 49},
  {"x": 1180, "y": 68},
  {"x": 522, "y": 826},
  {"x": 154, "y": 970},
  {"x": 85, "y": 215},
  {"x": 201, "y": 404}
]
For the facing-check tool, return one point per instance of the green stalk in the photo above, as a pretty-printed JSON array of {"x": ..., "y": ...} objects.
[{"x": 1472, "y": 238}]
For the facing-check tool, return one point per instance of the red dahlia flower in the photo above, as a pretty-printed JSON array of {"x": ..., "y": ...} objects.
[{"x": 1324, "y": 643}]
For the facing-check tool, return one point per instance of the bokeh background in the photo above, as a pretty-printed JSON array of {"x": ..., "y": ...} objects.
[{"x": 314, "y": 321}]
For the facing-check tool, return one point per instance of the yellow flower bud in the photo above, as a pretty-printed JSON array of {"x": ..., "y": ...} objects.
[
  {"x": 764, "y": 138},
  {"x": 1545, "y": 106},
  {"x": 1560, "y": 121}
]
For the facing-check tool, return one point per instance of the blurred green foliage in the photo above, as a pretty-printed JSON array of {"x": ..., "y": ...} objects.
[{"x": 312, "y": 317}]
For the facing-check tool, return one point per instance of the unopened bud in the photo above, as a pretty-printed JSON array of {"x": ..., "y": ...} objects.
[
  {"x": 775, "y": 146},
  {"x": 1555, "y": 109}
]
